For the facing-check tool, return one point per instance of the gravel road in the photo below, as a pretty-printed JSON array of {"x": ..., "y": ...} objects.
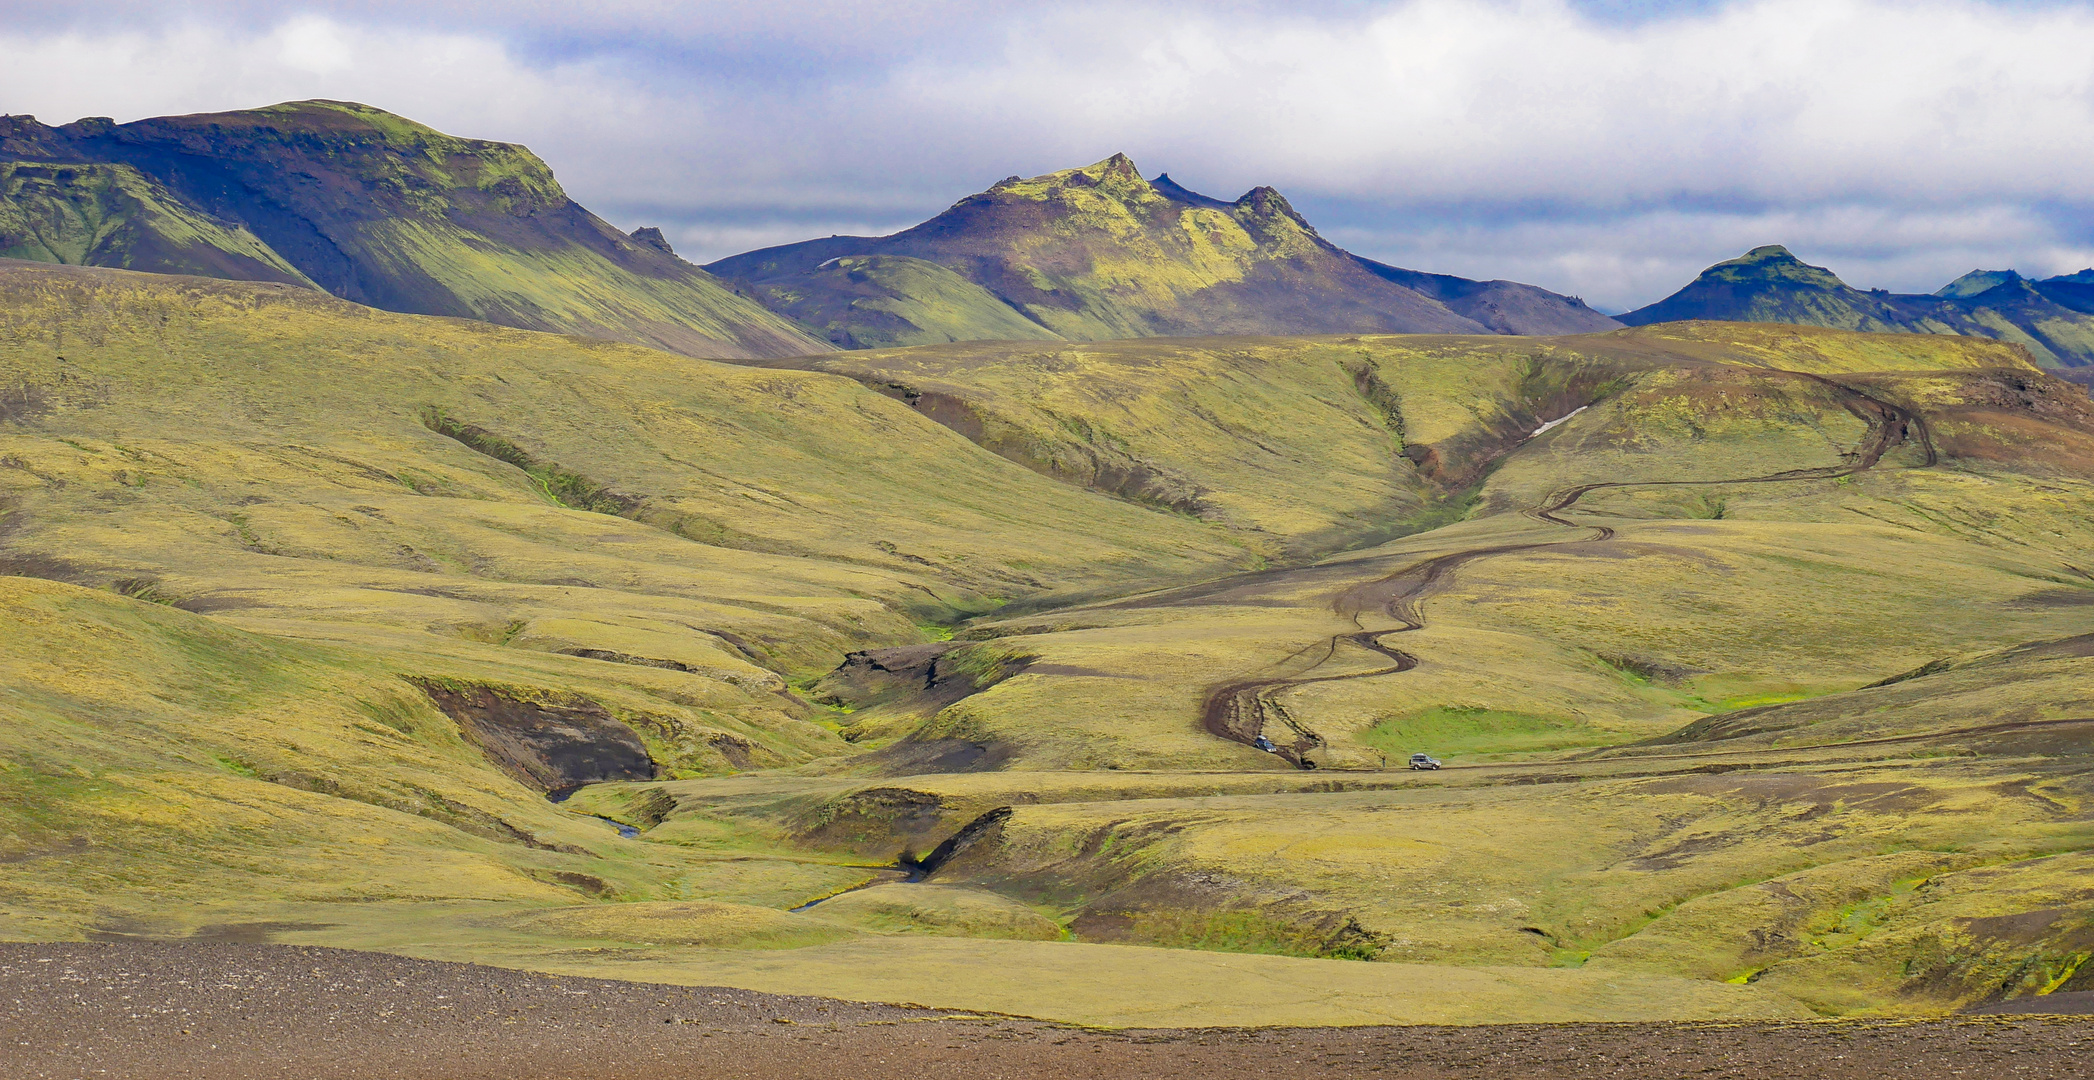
[{"x": 235, "y": 1011}]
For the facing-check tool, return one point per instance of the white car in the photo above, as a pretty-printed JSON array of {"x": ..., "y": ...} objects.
[{"x": 1424, "y": 761}]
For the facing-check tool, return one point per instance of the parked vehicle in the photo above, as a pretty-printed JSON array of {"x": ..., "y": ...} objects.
[
  {"x": 1265, "y": 744},
  {"x": 1424, "y": 761}
]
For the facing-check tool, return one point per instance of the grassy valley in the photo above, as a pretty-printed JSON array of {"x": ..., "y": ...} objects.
[{"x": 1757, "y": 656}]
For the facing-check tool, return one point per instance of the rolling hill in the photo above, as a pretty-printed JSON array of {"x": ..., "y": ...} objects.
[
  {"x": 1756, "y": 655},
  {"x": 1099, "y": 252},
  {"x": 2053, "y": 319},
  {"x": 370, "y": 207}
]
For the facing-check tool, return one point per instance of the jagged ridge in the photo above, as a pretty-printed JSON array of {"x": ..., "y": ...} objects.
[{"x": 1099, "y": 252}]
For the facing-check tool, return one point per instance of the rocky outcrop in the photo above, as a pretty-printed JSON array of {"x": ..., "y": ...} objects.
[{"x": 552, "y": 746}]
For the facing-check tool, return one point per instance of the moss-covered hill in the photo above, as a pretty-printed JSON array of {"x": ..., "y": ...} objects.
[
  {"x": 113, "y": 215},
  {"x": 1757, "y": 655},
  {"x": 1099, "y": 252},
  {"x": 2053, "y": 319},
  {"x": 371, "y": 207}
]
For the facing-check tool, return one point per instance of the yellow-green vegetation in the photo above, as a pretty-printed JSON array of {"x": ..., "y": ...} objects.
[
  {"x": 1118, "y": 986},
  {"x": 2053, "y": 320},
  {"x": 1098, "y": 252},
  {"x": 318, "y": 436},
  {"x": 938, "y": 910},
  {"x": 1299, "y": 445},
  {"x": 111, "y": 215},
  {"x": 1758, "y": 657},
  {"x": 159, "y": 761},
  {"x": 370, "y": 206},
  {"x": 1294, "y": 445},
  {"x": 877, "y": 301}
]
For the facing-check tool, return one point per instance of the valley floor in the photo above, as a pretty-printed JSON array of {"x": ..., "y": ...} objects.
[
  {"x": 231, "y": 1011},
  {"x": 1759, "y": 659}
]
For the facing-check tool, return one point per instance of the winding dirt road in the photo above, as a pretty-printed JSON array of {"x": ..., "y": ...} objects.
[{"x": 1246, "y": 710}]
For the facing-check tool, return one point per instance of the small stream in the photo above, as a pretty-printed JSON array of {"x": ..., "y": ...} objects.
[
  {"x": 903, "y": 873},
  {"x": 561, "y": 795}
]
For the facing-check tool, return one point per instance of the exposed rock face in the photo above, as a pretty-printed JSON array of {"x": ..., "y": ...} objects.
[
  {"x": 372, "y": 208},
  {"x": 652, "y": 237},
  {"x": 552, "y": 747},
  {"x": 2053, "y": 319},
  {"x": 1098, "y": 252}
]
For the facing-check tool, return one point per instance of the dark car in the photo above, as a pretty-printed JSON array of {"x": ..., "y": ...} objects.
[
  {"x": 1424, "y": 761},
  {"x": 1266, "y": 745}
]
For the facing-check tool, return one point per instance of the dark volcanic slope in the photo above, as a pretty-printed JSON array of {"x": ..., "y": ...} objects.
[
  {"x": 2053, "y": 319},
  {"x": 1099, "y": 252},
  {"x": 371, "y": 207},
  {"x": 232, "y": 1012}
]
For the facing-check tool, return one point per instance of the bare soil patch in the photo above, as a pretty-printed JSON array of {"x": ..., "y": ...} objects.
[{"x": 234, "y": 1011}]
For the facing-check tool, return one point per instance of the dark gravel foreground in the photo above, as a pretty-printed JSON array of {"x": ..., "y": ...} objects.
[{"x": 230, "y": 1012}]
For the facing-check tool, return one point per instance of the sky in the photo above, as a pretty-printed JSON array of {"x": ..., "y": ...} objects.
[{"x": 1608, "y": 149}]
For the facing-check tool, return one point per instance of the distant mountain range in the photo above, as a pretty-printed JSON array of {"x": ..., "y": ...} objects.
[
  {"x": 2052, "y": 318},
  {"x": 367, "y": 206},
  {"x": 378, "y": 209},
  {"x": 381, "y": 210},
  {"x": 1099, "y": 252}
]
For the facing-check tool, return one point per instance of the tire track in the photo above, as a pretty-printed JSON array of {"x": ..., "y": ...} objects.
[{"x": 1246, "y": 710}]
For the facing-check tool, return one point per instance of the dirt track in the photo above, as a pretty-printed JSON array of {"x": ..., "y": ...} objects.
[
  {"x": 234, "y": 1012},
  {"x": 1243, "y": 710}
]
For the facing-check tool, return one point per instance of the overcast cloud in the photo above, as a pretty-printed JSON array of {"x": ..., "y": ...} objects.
[{"x": 1609, "y": 149}]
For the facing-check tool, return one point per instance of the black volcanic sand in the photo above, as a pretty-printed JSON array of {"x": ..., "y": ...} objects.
[{"x": 231, "y": 1011}]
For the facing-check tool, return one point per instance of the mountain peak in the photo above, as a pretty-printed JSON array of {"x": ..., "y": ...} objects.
[
  {"x": 1116, "y": 175},
  {"x": 1771, "y": 264},
  {"x": 323, "y": 116},
  {"x": 1268, "y": 203},
  {"x": 1120, "y": 165},
  {"x": 1976, "y": 282},
  {"x": 1117, "y": 172},
  {"x": 1766, "y": 284},
  {"x": 652, "y": 237},
  {"x": 2052, "y": 319},
  {"x": 1097, "y": 253}
]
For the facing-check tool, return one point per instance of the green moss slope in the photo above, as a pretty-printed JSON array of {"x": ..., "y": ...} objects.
[
  {"x": 879, "y": 301},
  {"x": 1768, "y": 284},
  {"x": 380, "y": 210},
  {"x": 111, "y": 215},
  {"x": 1099, "y": 252},
  {"x": 1811, "y": 746}
]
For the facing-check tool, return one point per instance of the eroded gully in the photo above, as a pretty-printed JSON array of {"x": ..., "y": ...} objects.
[{"x": 1243, "y": 711}]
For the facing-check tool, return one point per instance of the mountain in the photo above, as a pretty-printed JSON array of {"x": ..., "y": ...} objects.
[
  {"x": 113, "y": 215},
  {"x": 1977, "y": 283},
  {"x": 2053, "y": 319},
  {"x": 1099, "y": 252},
  {"x": 371, "y": 207},
  {"x": 2075, "y": 291}
]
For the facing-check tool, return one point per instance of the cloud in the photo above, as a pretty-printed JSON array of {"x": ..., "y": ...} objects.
[{"x": 1609, "y": 148}]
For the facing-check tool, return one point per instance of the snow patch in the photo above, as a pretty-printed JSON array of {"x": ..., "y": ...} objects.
[{"x": 1566, "y": 416}]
